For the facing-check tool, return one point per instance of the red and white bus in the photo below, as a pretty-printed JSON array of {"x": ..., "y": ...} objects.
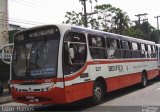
[{"x": 58, "y": 64}]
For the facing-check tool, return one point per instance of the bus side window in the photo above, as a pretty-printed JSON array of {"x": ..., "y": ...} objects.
[
  {"x": 113, "y": 48},
  {"x": 136, "y": 53},
  {"x": 66, "y": 59},
  {"x": 149, "y": 51},
  {"x": 158, "y": 51},
  {"x": 78, "y": 53},
  {"x": 143, "y": 51},
  {"x": 153, "y": 54},
  {"x": 126, "y": 49},
  {"x": 97, "y": 46}
]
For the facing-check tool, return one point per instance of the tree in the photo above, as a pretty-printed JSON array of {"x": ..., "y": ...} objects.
[
  {"x": 155, "y": 36},
  {"x": 146, "y": 28},
  {"x": 121, "y": 21},
  {"x": 142, "y": 31},
  {"x": 74, "y": 18},
  {"x": 77, "y": 19},
  {"x": 132, "y": 32},
  {"x": 108, "y": 18},
  {"x": 105, "y": 14},
  {"x": 112, "y": 19}
]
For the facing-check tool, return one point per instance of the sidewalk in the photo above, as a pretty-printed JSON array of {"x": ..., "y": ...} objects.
[{"x": 6, "y": 97}]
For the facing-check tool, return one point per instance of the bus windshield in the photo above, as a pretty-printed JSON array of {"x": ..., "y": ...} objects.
[{"x": 36, "y": 58}]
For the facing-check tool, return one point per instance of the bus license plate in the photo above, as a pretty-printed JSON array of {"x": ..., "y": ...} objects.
[{"x": 30, "y": 97}]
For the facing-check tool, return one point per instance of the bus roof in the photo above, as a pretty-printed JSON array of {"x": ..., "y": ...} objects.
[
  {"x": 116, "y": 36},
  {"x": 92, "y": 31}
]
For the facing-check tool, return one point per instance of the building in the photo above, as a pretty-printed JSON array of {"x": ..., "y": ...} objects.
[
  {"x": 14, "y": 27},
  {"x": 3, "y": 22},
  {"x": 12, "y": 30}
]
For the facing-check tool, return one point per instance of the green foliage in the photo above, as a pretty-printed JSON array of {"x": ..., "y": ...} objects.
[
  {"x": 112, "y": 19},
  {"x": 155, "y": 36},
  {"x": 108, "y": 18},
  {"x": 121, "y": 21},
  {"x": 103, "y": 7},
  {"x": 142, "y": 31},
  {"x": 74, "y": 18},
  {"x": 146, "y": 28},
  {"x": 132, "y": 32}
]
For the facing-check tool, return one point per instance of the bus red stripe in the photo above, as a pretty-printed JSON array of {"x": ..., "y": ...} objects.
[{"x": 77, "y": 74}]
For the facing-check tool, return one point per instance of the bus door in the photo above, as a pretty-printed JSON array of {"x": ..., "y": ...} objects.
[{"x": 74, "y": 62}]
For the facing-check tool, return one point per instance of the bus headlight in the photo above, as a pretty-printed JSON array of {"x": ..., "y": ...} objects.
[
  {"x": 48, "y": 88},
  {"x": 44, "y": 89}
]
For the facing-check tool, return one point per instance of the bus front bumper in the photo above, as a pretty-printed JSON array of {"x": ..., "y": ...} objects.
[{"x": 52, "y": 96}]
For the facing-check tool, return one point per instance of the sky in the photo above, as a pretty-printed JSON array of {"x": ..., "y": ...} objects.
[{"x": 28, "y": 13}]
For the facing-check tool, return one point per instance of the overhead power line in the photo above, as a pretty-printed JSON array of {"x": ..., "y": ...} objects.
[
  {"x": 31, "y": 5},
  {"x": 36, "y": 5},
  {"x": 23, "y": 22},
  {"x": 44, "y": 3}
]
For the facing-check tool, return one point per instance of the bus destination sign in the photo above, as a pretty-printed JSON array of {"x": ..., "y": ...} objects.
[
  {"x": 41, "y": 33},
  {"x": 35, "y": 34}
]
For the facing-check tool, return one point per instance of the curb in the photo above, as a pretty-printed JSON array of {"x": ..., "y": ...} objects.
[
  {"x": 8, "y": 101},
  {"x": 5, "y": 99}
]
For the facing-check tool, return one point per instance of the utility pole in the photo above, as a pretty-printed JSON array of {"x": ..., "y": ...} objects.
[
  {"x": 139, "y": 17},
  {"x": 3, "y": 22},
  {"x": 157, "y": 21},
  {"x": 85, "y": 12}
]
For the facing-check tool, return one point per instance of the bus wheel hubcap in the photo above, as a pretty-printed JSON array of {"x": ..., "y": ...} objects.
[
  {"x": 144, "y": 80},
  {"x": 98, "y": 93}
]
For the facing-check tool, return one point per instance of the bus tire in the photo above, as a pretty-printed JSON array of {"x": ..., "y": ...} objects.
[
  {"x": 144, "y": 80},
  {"x": 98, "y": 93}
]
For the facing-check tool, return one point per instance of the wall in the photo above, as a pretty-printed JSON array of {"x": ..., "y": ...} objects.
[{"x": 3, "y": 22}]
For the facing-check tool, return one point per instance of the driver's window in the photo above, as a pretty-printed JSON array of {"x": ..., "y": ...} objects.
[{"x": 74, "y": 52}]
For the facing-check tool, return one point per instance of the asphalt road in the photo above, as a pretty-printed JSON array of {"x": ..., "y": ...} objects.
[{"x": 130, "y": 99}]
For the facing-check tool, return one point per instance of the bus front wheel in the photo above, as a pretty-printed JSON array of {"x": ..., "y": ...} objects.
[{"x": 98, "y": 93}]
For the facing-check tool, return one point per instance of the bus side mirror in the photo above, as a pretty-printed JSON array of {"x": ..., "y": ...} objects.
[{"x": 7, "y": 53}]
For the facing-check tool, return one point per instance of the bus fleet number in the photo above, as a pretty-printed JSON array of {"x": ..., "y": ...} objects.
[{"x": 98, "y": 68}]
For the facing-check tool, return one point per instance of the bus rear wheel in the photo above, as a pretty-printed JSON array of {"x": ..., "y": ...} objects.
[
  {"x": 98, "y": 93},
  {"x": 144, "y": 80}
]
